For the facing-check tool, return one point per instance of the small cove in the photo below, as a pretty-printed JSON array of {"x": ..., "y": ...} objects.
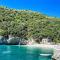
[{"x": 22, "y": 52}]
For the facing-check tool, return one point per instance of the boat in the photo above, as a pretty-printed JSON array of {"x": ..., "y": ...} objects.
[{"x": 45, "y": 54}]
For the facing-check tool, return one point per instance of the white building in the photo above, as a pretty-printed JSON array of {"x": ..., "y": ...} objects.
[{"x": 46, "y": 41}]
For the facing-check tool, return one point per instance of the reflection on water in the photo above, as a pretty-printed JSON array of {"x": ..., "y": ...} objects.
[
  {"x": 6, "y": 52},
  {"x": 23, "y": 53}
]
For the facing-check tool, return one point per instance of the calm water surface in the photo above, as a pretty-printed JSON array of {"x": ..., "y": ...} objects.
[{"x": 23, "y": 53}]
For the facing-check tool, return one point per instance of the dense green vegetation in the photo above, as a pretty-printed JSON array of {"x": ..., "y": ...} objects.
[{"x": 28, "y": 24}]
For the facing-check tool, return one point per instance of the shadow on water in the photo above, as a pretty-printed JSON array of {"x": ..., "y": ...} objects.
[{"x": 23, "y": 53}]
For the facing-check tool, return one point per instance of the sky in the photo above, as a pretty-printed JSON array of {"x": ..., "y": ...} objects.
[{"x": 48, "y": 7}]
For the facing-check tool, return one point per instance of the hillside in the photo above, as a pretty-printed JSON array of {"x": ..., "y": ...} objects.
[{"x": 26, "y": 24}]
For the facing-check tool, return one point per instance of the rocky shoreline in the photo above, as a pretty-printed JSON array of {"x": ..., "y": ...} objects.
[
  {"x": 12, "y": 41},
  {"x": 56, "y": 49},
  {"x": 56, "y": 55},
  {"x": 19, "y": 41}
]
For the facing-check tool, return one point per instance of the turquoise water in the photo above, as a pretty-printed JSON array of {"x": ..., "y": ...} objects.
[{"x": 23, "y": 53}]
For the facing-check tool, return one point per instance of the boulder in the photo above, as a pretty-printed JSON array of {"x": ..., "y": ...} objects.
[
  {"x": 23, "y": 42},
  {"x": 13, "y": 41},
  {"x": 3, "y": 40}
]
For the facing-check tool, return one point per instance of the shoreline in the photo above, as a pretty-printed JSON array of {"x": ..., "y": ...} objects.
[
  {"x": 45, "y": 46},
  {"x": 40, "y": 45},
  {"x": 55, "y": 48}
]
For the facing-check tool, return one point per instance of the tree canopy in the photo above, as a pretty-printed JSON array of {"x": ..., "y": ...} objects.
[{"x": 26, "y": 24}]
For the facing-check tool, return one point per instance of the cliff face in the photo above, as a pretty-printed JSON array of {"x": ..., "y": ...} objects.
[
  {"x": 12, "y": 41},
  {"x": 26, "y": 24}
]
